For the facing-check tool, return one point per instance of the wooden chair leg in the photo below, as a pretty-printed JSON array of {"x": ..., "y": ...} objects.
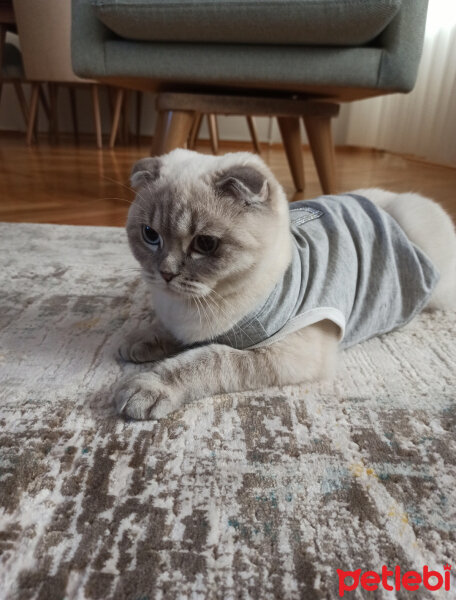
[
  {"x": 291, "y": 136},
  {"x": 139, "y": 98},
  {"x": 32, "y": 113},
  {"x": 322, "y": 147},
  {"x": 194, "y": 132},
  {"x": 96, "y": 114},
  {"x": 111, "y": 91},
  {"x": 213, "y": 132},
  {"x": 171, "y": 130},
  {"x": 44, "y": 103},
  {"x": 126, "y": 118},
  {"x": 74, "y": 112},
  {"x": 116, "y": 116},
  {"x": 54, "y": 123},
  {"x": 254, "y": 134},
  {"x": 22, "y": 102}
]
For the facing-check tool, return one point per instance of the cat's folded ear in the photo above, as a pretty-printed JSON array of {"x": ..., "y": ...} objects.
[
  {"x": 244, "y": 183},
  {"x": 145, "y": 171}
]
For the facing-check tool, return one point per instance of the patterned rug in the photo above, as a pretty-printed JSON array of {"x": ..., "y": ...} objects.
[{"x": 260, "y": 495}]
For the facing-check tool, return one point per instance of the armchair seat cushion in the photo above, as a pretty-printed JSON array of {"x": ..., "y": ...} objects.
[{"x": 289, "y": 22}]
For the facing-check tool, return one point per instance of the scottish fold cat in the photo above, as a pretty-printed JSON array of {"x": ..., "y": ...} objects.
[{"x": 250, "y": 291}]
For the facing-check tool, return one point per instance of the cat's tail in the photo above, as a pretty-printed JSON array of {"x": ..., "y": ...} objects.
[
  {"x": 379, "y": 197},
  {"x": 430, "y": 228}
]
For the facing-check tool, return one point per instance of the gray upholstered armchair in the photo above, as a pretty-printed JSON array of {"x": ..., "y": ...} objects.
[{"x": 290, "y": 59}]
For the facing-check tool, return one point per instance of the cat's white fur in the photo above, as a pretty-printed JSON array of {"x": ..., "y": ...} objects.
[
  {"x": 231, "y": 303},
  {"x": 305, "y": 355}
]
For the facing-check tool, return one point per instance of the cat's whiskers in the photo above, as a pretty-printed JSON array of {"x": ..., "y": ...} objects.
[
  {"x": 253, "y": 318},
  {"x": 199, "y": 312},
  {"x": 200, "y": 305},
  {"x": 136, "y": 192},
  {"x": 233, "y": 322},
  {"x": 127, "y": 187},
  {"x": 206, "y": 318},
  {"x": 204, "y": 300},
  {"x": 191, "y": 287},
  {"x": 116, "y": 198}
]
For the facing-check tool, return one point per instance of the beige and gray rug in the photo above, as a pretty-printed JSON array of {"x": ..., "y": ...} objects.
[{"x": 260, "y": 495}]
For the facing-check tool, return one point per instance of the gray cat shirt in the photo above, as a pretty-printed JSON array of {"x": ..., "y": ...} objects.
[{"x": 352, "y": 264}]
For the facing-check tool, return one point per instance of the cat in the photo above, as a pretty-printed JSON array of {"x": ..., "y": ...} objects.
[{"x": 214, "y": 239}]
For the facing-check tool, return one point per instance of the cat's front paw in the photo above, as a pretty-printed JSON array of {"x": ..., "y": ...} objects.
[
  {"x": 141, "y": 351},
  {"x": 145, "y": 397}
]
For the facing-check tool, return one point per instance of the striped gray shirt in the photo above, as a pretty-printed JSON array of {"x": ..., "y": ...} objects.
[{"x": 352, "y": 264}]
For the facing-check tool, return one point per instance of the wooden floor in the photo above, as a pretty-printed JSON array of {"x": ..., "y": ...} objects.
[{"x": 85, "y": 186}]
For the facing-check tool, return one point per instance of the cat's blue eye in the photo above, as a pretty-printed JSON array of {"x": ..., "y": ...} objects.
[{"x": 151, "y": 237}]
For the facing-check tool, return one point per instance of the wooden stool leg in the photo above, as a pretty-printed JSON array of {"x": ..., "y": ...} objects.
[
  {"x": 74, "y": 112},
  {"x": 32, "y": 113},
  {"x": 96, "y": 114},
  {"x": 213, "y": 132},
  {"x": 194, "y": 133},
  {"x": 291, "y": 136},
  {"x": 171, "y": 130},
  {"x": 22, "y": 102},
  {"x": 254, "y": 134},
  {"x": 322, "y": 147},
  {"x": 116, "y": 116}
]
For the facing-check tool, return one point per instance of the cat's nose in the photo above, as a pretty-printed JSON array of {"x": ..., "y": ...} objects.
[{"x": 167, "y": 276}]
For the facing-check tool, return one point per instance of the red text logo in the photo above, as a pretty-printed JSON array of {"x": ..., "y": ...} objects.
[{"x": 394, "y": 579}]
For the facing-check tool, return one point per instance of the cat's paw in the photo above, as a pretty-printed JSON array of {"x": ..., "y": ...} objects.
[
  {"x": 145, "y": 397},
  {"x": 141, "y": 351}
]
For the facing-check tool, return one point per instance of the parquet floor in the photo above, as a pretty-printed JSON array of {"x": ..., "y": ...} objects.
[{"x": 84, "y": 186}]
